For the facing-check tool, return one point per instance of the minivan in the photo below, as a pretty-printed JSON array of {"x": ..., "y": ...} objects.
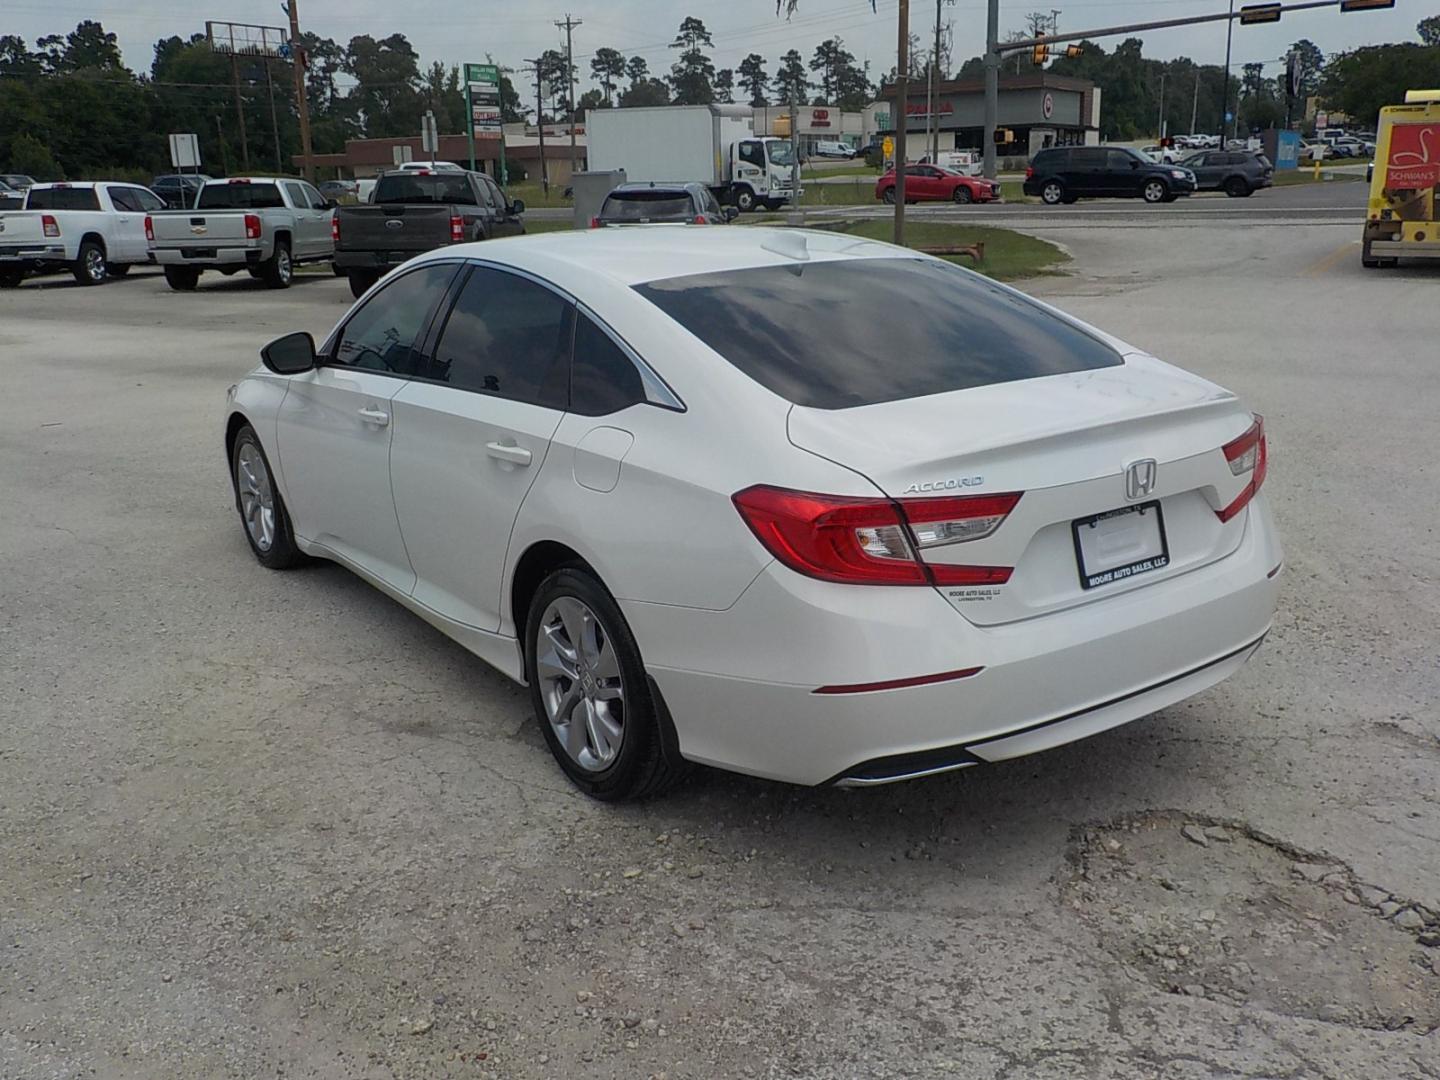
[{"x": 1063, "y": 174}]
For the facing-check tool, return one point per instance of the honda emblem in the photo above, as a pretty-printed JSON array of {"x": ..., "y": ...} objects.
[{"x": 1140, "y": 478}]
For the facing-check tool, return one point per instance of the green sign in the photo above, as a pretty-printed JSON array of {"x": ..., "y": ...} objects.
[
  {"x": 484, "y": 109},
  {"x": 482, "y": 73}
]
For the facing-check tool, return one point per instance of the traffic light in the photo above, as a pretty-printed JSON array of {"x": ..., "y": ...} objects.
[
  {"x": 1365, "y": 5},
  {"x": 1040, "y": 54},
  {"x": 1003, "y": 136},
  {"x": 1072, "y": 51},
  {"x": 1259, "y": 13}
]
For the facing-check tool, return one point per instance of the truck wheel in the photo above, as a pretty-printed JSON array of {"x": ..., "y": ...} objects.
[
  {"x": 11, "y": 276},
  {"x": 360, "y": 282},
  {"x": 89, "y": 267},
  {"x": 338, "y": 271},
  {"x": 182, "y": 278},
  {"x": 1236, "y": 187},
  {"x": 279, "y": 269},
  {"x": 745, "y": 200}
]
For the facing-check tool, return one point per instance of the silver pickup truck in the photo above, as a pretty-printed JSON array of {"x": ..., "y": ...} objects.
[{"x": 265, "y": 226}]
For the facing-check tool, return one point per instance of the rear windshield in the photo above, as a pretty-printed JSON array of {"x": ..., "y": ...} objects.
[
  {"x": 642, "y": 205},
  {"x": 833, "y": 335},
  {"x": 239, "y": 197},
  {"x": 448, "y": 188},
  {"x": 63, "y": 199}
]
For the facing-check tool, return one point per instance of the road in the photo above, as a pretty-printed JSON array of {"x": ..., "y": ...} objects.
[{"x": 258, "y": 824}]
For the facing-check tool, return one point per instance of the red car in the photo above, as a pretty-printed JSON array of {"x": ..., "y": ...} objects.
[{"x": 924, "y": 182}]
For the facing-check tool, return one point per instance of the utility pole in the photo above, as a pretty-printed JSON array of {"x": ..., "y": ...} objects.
[
  {"x": 1225, "y": 91},
  {"x": 569, "y": 24},
  {"x": 1160, "y": 119},
  {"x": 274, "y": 122},
  {"x": 220, "y": 136},
  {"x": 1195, "y": 101},
  {"x": 302, "y": 103},
  {"x": 240, "y": 113},
  {"x": 902, "y": 95},
  {"x": 932, "y": 128},
  {"x": 992, "y": 83},
  {"x": 540, "y": 126}
]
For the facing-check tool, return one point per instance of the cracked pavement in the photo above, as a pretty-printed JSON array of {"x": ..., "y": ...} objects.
[{"x": 272, "y": 824}]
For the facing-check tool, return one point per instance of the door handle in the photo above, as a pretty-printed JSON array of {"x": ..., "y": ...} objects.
[
  {"x": 378, "y": 417},
  {"x": 516, "y": 455}
]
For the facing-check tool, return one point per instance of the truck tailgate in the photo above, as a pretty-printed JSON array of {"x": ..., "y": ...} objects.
[
  {"x": 397, "y": 227},
  {"x": 206, "y": 228},
  {"x": 20, "y": 228}
]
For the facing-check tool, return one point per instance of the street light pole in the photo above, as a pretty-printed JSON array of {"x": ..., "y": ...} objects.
[
  {"x": 992, "y": 84},
  {"x": 1225, "y": 90}
]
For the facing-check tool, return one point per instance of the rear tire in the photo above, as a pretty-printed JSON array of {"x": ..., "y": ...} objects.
[
  {"x": 1236, "y": 187},
  {"x": 90, "y": 267},
  {"x": 279, "y": 269},
  {"x": 1053, "y": 193},
  {"x": 360, "y": 282},
  {"x": 595, "y": 684},
  {"x": 182, "y": 278},
  {"x": 338, "y": 271},
  {"x": 11, "y": 277}
]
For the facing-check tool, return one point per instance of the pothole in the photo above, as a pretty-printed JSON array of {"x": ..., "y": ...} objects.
[{"x": 1215, "y": 910}]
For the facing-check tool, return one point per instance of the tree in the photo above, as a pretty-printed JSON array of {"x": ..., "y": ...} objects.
[
  {"x": 591, "y": 99},
  {"x": 88, "y": 47},
  {"x": 725, "y": 86},
  {"x": 607, "y": 67},
  {"x": 554, "y": 74},
  {"x": 387, "y": 76},
  {"x": 791, "y": 82},
  {"x": 645, "y": 92},
  {"x": 1362, "y": 81},
  {"x": 636, "y": 70},
  {"x": 692, "y": 74},
  {"x": 830, "y": 60},
  {"x": 753, "y": 79},
  {"x": 1312, "y": 62},
  {"x": 1429, "y": 30},
  {"x": 17, "y": 60},
  {"x": 29, "y": 155},
  {"x": 853, "y": 91}
]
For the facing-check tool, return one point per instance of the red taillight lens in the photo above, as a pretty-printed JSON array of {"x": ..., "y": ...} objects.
[
  {"x": 872, "y": 541},
  {"x": 699, "y": 219},
  {"x": 252, "y": 226},
  {"x": 1247, "y": 454},
  {"x": 149, "y": 229},
  {"x": 50, "y": 226},
  {"x": 595, "y": 223},
  {"x": 457, "y": 230},
  {"x": 335, "y": 228},
  {"x": 1029, "y": 171}
]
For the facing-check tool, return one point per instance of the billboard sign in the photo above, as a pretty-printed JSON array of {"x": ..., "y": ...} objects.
[{"x": 482, "y": 91}]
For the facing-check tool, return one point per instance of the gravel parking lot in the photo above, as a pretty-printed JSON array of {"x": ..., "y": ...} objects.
[{"x": 258, "y": 824}]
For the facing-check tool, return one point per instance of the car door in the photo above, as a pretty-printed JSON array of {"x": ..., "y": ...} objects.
[
  {"x": 472, "y": 434},
  {"x": 125, "y": 231},
  {"x": 507, "y": 222},
  {"x": 1081, "y": 169},
  {"x": 334, "y": 430},
  {"x": 1122, "y": 174},
  {"x": 150, "y": 203},
  {"x": 321, "y": 215},
  {"x": 922, "y": 182}
]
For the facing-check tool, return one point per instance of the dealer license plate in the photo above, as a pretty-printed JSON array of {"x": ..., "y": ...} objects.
[{"x": 1119, "y": 544}]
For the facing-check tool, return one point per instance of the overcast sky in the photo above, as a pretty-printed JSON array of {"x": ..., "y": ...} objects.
[{"x": 460, "y": 30}]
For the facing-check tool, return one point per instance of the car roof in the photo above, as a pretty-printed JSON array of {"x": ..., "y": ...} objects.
[
  {"x": 659, "y": 185},
  {"x": 632, "y": 256}
]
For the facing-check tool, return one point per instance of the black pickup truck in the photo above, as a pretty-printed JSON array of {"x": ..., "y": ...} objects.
[{"x": 413, "y": 211}]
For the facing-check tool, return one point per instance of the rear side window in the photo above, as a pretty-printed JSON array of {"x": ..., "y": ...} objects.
[
  {"x": 440, "y": 188},
  {"x": 382, "y": 335},
  {"x": 68, "y": 198},
  {"x": 646, "y": 206},
  {"x": 506, "y": 336},
  {"x": 602, "y": 377},
  {"x": 799, "y": 330},
  {"x": 232, "y": 196}
]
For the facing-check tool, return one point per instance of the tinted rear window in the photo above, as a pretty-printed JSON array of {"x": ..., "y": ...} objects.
[
  {"x": 446, "y": 188},
  {"x": 833, "y": 335},
  {"x": 647, "y": 205},
  {"x": 63, "y": 199},
  {"x": 239, "y": 197}
]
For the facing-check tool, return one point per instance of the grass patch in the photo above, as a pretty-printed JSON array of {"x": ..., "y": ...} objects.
[
  {"x": 539, "y": 225},
  {"x": 1304, "y": 175},
  {"x": 1009, "y": 255},
  {"x": 861, "y": 191}
]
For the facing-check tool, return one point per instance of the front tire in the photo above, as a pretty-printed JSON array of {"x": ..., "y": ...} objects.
[
  {"x": 1052, "y": 193},
  {"x": 962, "y": 195},
  {"x": 1236, "y": 187},
  {"x": 279, "y": 269},
  {"x": 888, "y": 196},
  {"x": 744, "y": 200},
  {"x": 1155, "y": 191},
  {"x": 262, "y": 510},
  {"x": 182, "y": 278},
  {"x": 592, "y": 698},
  {"x": 90, "y": 267}
]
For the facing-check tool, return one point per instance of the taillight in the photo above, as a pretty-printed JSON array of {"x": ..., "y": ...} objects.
[
  {"x": 335, "y": 228},
  {"x": 149, "y": 229},
  {"x": 873, "y": 541},
  {"x": 595, "y": 223},
  {"x": 1247, "y": 454},
  {"x": 457, "y": 230},
  {"x": 699, "y": 219},
  {"x": 1029, "y": 171},
  {"x": 252, "y": 226},
  {"x": 50, "y": 225}
]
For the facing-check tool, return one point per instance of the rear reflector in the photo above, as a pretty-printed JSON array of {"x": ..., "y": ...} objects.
[
  {"x": 862, "y": 541},
  {"x": 49, "y": 225},
  {"x": 898, "y": 684},
  {"x": 1247, "y": 454}
]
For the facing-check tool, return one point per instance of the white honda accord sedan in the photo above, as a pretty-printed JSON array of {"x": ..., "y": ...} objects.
[{"x": 789, "y": 503}]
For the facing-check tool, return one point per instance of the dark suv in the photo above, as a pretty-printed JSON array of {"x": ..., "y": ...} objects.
[
  {"x": 1063, "y": 174},
  {"x": 1235, "y": 172}
]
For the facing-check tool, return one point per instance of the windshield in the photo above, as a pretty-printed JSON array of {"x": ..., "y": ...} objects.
[
  {"x": 780, "y": 153},
  {"x": 233, "y": 196},
  {"x": 813, "y": 332},
  {"x": 448, "y": 188}
]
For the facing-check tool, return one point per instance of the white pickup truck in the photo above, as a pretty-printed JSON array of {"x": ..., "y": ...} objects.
[
  {"x": 263, "y": 225},
  {"x": 94, "y": 230}
]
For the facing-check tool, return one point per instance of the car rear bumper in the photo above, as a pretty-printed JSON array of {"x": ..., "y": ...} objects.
[
  {"x": 741, "y": 684},
  {"x": 377, "y": 260},
  {"x": 31, "y": 254},
  {"x": 207, "y": 256}
]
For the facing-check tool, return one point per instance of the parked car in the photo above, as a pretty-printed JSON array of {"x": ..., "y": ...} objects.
[
  {"x": 178, "y": 189},
  {"x": 335, "y": 190},
  {"x": 652, "y": 204},
  {"x": 10, "y": 199},
  {"x": 668, "y": 488},
  {"x": 1165, "y": 155},
  {"x": 263, "y": 225},
  {"x": 1063, "y": 174},
  {"x": 430, "y": 166},
  {"x": 414, "y": 211},
  {"x": 1235, "y": 172},
  {"x": 833, "y": 150},
  {"x": 931, "y": 182},
  {"x": 94, "y": 230},
  {"x": 1349, "y": 146},
  {"x": 365, "y": 189},
  {"x": 969, "y": 162},
  {"x": 18, "y": 181}
]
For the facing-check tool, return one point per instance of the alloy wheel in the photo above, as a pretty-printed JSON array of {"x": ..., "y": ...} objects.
[
  {"x": 95, "y": 264},
  {"x": 1154, "y": 192},
  {"x": 257, "y": 497},
  {"x": 580, "y": 683}
]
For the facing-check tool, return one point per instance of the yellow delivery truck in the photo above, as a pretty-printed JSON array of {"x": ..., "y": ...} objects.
[{"x": 1401, "y": 221}]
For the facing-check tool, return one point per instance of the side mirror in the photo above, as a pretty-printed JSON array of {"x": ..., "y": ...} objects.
[
  {"x": 731, "y": 213},
  {"x": 1134, "y": 164},
  {"x": 290, "y": 355},
  {"x": 518, "y": 206}
]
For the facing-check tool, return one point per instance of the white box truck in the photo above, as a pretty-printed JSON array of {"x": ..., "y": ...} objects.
[{"x": 713, "y": 144}]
